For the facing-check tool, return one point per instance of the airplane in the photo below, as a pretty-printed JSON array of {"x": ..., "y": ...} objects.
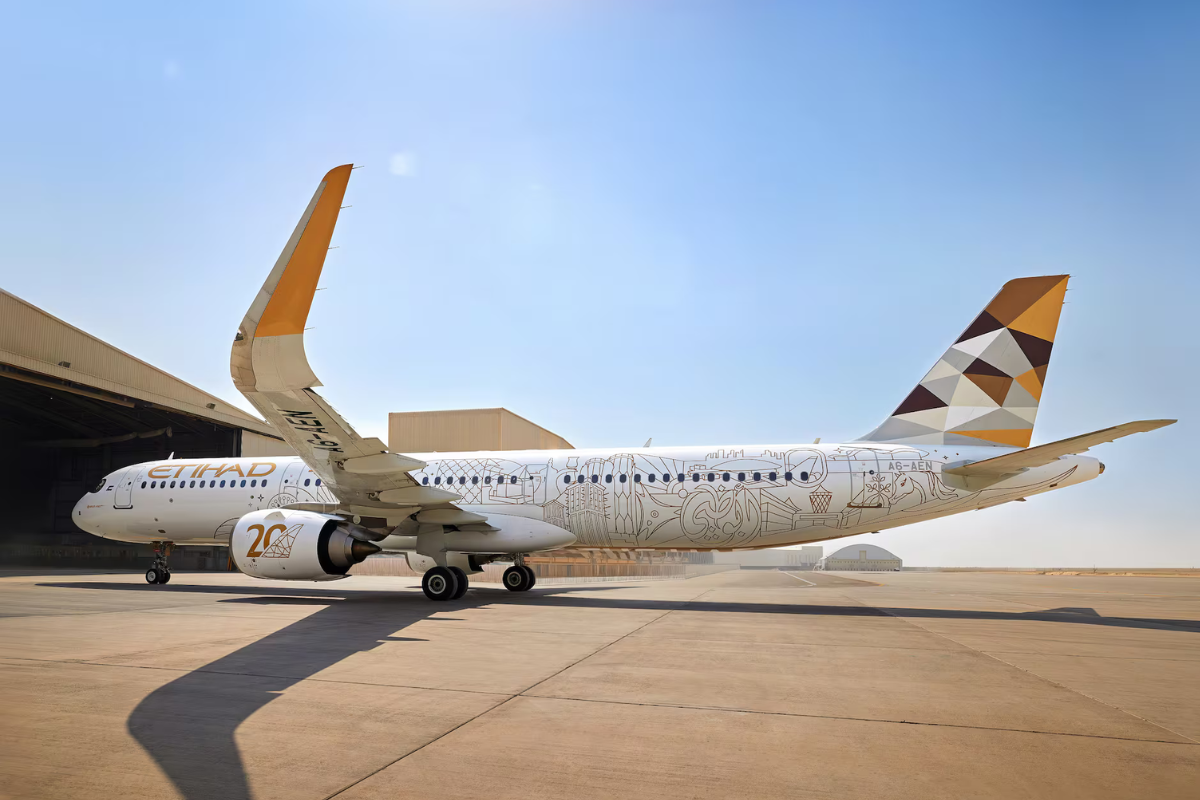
[{"x": 959, "y": 441}]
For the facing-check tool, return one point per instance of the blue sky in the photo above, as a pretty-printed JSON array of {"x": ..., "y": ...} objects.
[{"x": 702, "y": 222}]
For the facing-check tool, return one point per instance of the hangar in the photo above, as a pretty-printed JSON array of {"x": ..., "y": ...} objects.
[
  {"x": 72, "y": 409},
  {"x": 861, "y": 558}
]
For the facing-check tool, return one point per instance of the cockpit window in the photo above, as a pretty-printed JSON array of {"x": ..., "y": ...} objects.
[{"x": 100, "y": 485}]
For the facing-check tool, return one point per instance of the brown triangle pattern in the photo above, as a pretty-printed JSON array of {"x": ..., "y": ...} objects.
[
  {"x": 919, "y": 399},
  {"x": 1022, "y": 305}
]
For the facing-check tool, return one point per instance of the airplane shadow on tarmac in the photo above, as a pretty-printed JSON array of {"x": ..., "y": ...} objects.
[{"x": 188, "y": 726}]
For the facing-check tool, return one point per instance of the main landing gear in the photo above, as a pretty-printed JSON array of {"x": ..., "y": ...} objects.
[
  {"x": 444, "y": 583},
  {"x": 159, "y": 572},
  {"x": 519, "y": 578}
]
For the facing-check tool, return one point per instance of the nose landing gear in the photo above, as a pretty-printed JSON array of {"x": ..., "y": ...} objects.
[{"x": 159, "y": 573}]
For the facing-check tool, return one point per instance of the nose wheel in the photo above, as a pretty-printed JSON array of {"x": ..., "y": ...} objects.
[{"x": 159, "y": 573}]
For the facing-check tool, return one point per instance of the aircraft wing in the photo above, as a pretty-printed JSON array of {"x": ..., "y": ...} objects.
[
  {"x": 270, "y": 368},
  {"x": 1012, "y": 463}
]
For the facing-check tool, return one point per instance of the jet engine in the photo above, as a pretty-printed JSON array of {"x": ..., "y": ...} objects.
[{"x": 296, "y": 545}]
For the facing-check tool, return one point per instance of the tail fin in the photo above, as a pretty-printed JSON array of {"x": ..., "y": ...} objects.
[{"x": 985, "y": 389}]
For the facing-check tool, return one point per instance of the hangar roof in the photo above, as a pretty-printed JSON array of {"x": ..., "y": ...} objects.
[
  {"x": 34, "y": 341},
  {"x": 874, "y": 553}
]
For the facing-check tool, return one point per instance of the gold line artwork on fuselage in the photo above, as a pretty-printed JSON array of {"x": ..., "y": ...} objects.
[{"x": 730, "y": 497}]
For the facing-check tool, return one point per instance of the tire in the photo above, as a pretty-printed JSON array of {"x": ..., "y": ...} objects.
[
  {"x": 532, "y": 577},
  {"x": 166, "y": 577},
  {"x": 516, "y": 579},
  {"x": 153, "y": 575},
  {"x": 439, "y": 583},
  {"x": 462, "y": 582}
]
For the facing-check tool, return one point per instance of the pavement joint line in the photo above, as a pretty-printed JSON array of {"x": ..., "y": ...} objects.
[
  {"x": 822, "y": 645},
  {"x": 506, "y": 701},
  {"x": 729, "y": 710},
  {"x": 797, "y": 577},
  {"x": 1082, "y": 655},
  {"x": 1044, "y": 678},
  {"x": 256, "y": 675}
]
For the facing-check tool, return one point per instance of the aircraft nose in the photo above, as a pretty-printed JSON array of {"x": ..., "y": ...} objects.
[{"x": 83, "y": 517}]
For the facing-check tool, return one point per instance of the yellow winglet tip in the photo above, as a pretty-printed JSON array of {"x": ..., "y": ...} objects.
[{"x": 291, "y": 298}]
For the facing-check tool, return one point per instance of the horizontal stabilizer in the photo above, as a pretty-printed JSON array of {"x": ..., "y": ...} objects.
[{"x": 1012, "y": 463}]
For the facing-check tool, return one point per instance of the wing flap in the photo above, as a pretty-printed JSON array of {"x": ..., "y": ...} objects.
[{"x": 1013, "y": 463}]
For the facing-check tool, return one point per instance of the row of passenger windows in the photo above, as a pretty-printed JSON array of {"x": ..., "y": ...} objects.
[
  {"x": 637, "y": 478},
  {"x": 682, "y": 476},
  {"x": 474, "y": 479},
  {"x": 254, "y": 483}
]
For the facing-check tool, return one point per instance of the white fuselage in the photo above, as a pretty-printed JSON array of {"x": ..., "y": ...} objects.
[{"x": 690, "y": 498}]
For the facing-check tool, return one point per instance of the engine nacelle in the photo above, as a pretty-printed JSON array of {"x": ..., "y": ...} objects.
[{"x": 295, "y": 545}]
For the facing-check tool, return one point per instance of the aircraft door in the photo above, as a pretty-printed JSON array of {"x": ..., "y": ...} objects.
[
  {"x": 866, "y": 482},
  {"x": 291, "y": 481},
  {"x": 123, "y": 493}
]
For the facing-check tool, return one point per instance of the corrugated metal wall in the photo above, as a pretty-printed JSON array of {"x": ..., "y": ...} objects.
[
  {"x": 33, "y": 340},
  {"x": 464, "y": 430}
]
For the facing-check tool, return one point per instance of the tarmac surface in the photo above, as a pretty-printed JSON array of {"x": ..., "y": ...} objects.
[{"x": 754, "y": 684}]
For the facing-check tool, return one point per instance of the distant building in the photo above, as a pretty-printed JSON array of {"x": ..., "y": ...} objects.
[
  {"x": 861, "y": 558},
  {"x": 777, "y": 558}
]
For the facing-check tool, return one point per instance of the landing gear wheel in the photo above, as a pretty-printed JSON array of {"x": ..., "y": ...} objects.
[
  {"x": 439, "y": 583},
  {"x": 154, "y": 575},
  {"x": 166, "y": 576},
  {"x": 462, "y": 582},
  {"x": 532, "y": 576},
  {"x": 518, "y": 578}
]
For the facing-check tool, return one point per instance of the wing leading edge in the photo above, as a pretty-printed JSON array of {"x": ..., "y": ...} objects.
[
  {"x": 270, "y": 368},
  {"x": 1013, "y": 463}
]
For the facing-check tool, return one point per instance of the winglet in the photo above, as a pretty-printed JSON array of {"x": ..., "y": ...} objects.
[{"x": 268, "y": 353}]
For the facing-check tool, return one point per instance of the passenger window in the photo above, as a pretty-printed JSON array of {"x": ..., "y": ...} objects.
[
  {"x": 580, "y": 479},
  {"x": 436, "y": 481},
  {"x": 566, "y": 478},
  {"x": 681, "y": 477},
  {"x": 201, "y": 484},
  {"x": 153, "y": 484},
  {"x": 595, "y": 479},
  {"x": 488, "y": 479},
  {"x": 666, "y": 478},
  {"x": 192, "y": 485},
  {"x": 741, "y": 476},
  {"x": 474, "y": 479},
  {"x": 608, "y": 478},
  {"x": 172, "y": 484},
  {"x": 253, "y": 483},
  {"x": 650, "y": 477},
  {"x": 787, "y": 476},
  {"x": 513, "y": 479},
  {"x": 263, "y": 485},
  {"x": 712, "y": 476},
  {"x": 309, "y": 480},
  {"x": 143, "y": 484},
  {"x": 622, "y": 478},
  {"x": 637, "y": 478},
  {"x": 758, "y": 476},
  {"x": 243, "y": 484},
  {"x": 462, "y": 479},
  {"x": 222, "y": 484},
  {"x": 695, "y": 477},
  {"x": 318, "y": 481},
  {"x": 804, "y": 477},
  {"x": 425, "y": 481},
  {"x": 724, "y": 476},
  {"x": 772, "y": 476}
]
